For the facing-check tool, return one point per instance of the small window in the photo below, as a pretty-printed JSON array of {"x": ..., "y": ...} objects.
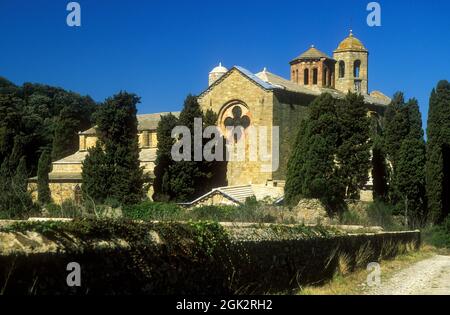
[
  {"x": 356, "y": 68},
  {"x": 78, "y": 195},
  {"x": 306, "y": 77},
  {"x": 315, "y": 76},
  {"x": 341, "y": 69}
]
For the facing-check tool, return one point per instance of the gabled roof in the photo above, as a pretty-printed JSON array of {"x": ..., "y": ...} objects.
[
  {"x": 239, "y": 194},
  {"x": 145, "y": 122},
  {"x": 145, "y": 155},
  {"x": 251, "y": 76}
]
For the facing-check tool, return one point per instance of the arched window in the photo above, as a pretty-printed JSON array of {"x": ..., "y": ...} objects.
[
  {"x": 341, "y": 69},
  {"x": 356, "y": 68},
  {"x": 306, "y": 77},
  {"x": 315, "y": 76}
]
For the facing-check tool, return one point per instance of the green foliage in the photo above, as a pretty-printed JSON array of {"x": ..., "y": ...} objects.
[
  {"x": 312, "y": 172},
  {"x": 410, "y": 180},
  {"x": 381, "y": 214},
  {"x": 68, "y": 209},
  {"x": 183, "y": 181},
  {"x": 152, "y": 211},
  {"x": 44, "y": 167},
  {"x": 95, "y": 176},
  {"x": 36, "y": 117},
  {"x": 15, "y": 201},
  {"x": 376, "y": 214},
  {"x": 251, "y": 211},
  {"x": 163, "y": 161},
  {"x": 405, "y": 146},
  {"x": 116, "y": 158},
  {"x": 187, "y": 177},
  {"x": 438, "y": 153},
  {"x": 439, "y": 235},
  {"x": 380, "y": 170},
  {"x": 215, "y": 171},
  {"x": 353, "y": 151},
  {"x": 76, "y": 115},
  {"x": 396, "y": 126}
]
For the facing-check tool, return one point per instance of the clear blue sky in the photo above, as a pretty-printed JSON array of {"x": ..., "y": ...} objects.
[{"x": 163, "y": 50}]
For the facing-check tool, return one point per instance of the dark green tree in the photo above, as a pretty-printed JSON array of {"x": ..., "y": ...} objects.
[
  {"x": 15, "y": 200},
  {"x": 410, "y": 180},
  {"x": 44, "y": 168},
  {"x": 117, "y": 127},
  {"x": 295, "y": 175},
  {"x": 215, "y": 171},
  {"x": 407, "y": 157},
  {"x": 380, "y": 170},
  {"x": 312, "y": 171},
  {"x": 96, "y": 175},
  {"x": 187, "y": 177},
  {"x": 438, "y": 153},
  {"x": 164, "y": 160},
  {"x": 353, "y": 152},
  {"x": 396, "y": 126}
]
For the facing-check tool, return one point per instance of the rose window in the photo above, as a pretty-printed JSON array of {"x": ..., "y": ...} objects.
[{"x": 235, "y": 119}]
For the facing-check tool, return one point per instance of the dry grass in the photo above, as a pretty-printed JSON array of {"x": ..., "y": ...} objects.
[{"x": 345, "y": 283}]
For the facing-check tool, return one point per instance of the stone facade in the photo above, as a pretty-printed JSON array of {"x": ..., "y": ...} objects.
[{"x": 236, "y": 89}]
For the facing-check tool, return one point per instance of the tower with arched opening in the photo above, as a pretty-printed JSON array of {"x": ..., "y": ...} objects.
[{"x": 352, "y": 66}]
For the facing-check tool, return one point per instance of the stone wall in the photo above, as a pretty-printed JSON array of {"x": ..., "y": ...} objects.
[{"x": 176, "y": 258}]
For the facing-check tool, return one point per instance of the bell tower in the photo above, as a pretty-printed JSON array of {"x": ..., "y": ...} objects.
[{"x": 352, "y": 66}]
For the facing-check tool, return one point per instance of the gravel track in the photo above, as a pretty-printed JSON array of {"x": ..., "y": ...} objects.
[{"x": 427, "y": 277}]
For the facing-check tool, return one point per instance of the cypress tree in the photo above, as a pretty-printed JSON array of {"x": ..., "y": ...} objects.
[
  {"x": 312, "y": 171},
  {"x": 295, "y": 177},
  {"x": 410, "y": 180},
  {"x": 117, "y": 127},
  {"x": 215, "y": 171},
  {"x": 15, "y": 201},
  {"x": 408, "y": 160},
  {"x": 353, "y": 153},
  {"x": 164, "y": 160},
  {"x": 96, "y": 175},
  {"x": 438, "y": 153},
  {"x": 187, "y": 177},
  {"x": 44, "y": 168},
  {"x": 380, "y": 170},
  {"x": 396, "y": 126}
]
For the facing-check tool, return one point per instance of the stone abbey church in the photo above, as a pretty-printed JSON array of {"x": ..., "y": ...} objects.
[{"x": 261, "y": 99}]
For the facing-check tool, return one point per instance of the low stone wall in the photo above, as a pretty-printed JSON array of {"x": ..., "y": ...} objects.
[{"x": 176, "y": 258}]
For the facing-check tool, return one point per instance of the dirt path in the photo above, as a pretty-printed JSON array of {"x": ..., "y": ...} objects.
[{"x": 427, "y": 277}]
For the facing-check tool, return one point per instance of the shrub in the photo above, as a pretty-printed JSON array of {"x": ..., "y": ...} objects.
[
  {"x": 439, "y": 235},
  {"x": 381, "y": 214},
  {"x": 214, "y": 213},
  {"x": 148, "y": 210}
]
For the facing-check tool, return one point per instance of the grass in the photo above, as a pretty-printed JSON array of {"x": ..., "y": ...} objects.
[
  {"x": 346, "y": 283},
  {"x": 372, "y": 214}
]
